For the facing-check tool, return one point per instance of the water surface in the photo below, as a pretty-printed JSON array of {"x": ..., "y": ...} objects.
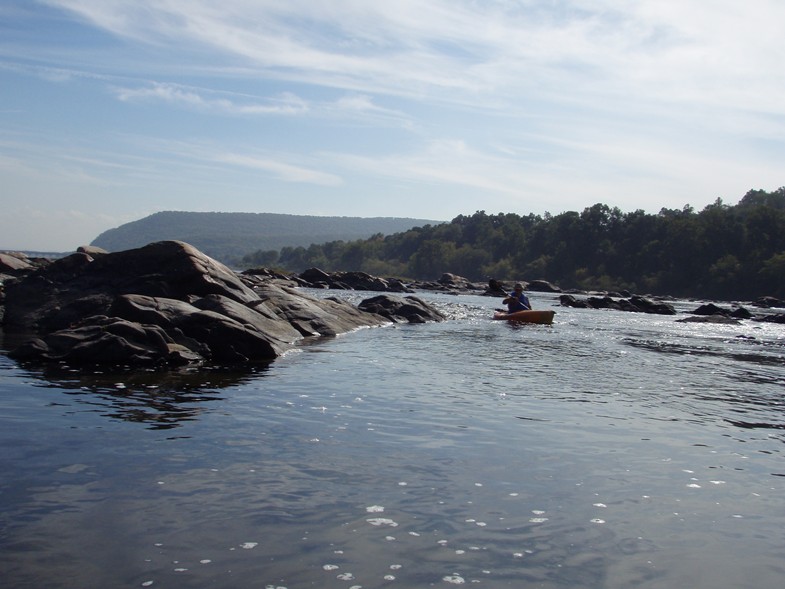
[{"x": 609, "y": 450}]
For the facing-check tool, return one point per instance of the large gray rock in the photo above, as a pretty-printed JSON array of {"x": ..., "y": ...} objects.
[
  {"x": 410, "y": 309},
  {"x": 11, "y": 262},
  {"x": 166, "y": 304}
]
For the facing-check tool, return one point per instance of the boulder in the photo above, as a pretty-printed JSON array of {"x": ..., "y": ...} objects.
[
  {"x": 711, "y": 309},
  {"x": 634, "y": 304},
  {"x": 776, "y": 318},
  {"x": 768, "y": 302},
  {"x": 169, "y": 304},
  {"x": 316, "y": 278},
  {"x": 721, "y": 319},
  {"x": 741, "y": 313},
  {"x": 454, "y": 281},
  {"x": 542, "y": 286},
  {"x": 410, "y": 309},
  {"x": 315, "y": 317},
  {"x": 568, "y": 300},
  {"x": 13, "y": 262},
  {"x": 91, "y": 250}
]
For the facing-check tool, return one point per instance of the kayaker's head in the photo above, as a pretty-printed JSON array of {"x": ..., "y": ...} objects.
[{"x": 518, "y": 287}]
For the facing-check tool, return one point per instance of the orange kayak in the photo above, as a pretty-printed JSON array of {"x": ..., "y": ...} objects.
[{"x": 534, "y": 316}]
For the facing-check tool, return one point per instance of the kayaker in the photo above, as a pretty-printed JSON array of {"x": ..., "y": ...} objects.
[{"x": 516, "y": 300}]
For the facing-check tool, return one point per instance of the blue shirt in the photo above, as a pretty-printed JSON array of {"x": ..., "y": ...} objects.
[{"x": 520, "y": 302}]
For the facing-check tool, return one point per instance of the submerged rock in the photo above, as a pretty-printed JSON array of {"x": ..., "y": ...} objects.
[{"x": 169, "y": 304}]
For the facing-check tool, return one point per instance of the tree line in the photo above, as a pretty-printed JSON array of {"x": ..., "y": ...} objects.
[{"x": 722, "y": 252}]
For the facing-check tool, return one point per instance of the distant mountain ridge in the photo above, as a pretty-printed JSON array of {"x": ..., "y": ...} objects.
[{"x": 227, "y": 237}]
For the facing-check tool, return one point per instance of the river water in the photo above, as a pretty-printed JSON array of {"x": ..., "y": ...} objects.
[{"x": 609, "y": 450}]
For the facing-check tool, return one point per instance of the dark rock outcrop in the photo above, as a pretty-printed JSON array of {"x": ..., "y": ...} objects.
[
  {"x": 408, "y": 310},
  {"x": 542, "y": 286},
  {"x": 13, "y": 263},
  {"x": 635, "y": 304},
  {"x": 721, "y": 319},
  {"x": 777, "y": 318},
  {"x": 568, "y": 300},
  {"x": 169, "y": 304},
  {"x": 712, "y": 309},
  {"x": 454, "y": 281},
  {"x": 768, "y": 302},
  {"x": 316, "y": 278}
]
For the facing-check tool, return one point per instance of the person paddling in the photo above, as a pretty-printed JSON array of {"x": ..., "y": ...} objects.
[{"x": 516, "y": 300}]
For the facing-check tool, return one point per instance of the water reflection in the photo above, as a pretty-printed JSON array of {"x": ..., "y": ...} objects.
[{"x": 160, "y": 399}]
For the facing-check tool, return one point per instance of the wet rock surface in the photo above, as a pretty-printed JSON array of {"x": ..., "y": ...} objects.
[{"x": 169, "y": 304}]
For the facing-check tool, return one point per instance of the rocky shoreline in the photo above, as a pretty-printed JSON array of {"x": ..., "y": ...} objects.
[{"x": 168, "y": 304}]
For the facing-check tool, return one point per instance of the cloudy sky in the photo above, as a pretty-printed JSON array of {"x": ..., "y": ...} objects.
[{"x": 111, "y": 110}]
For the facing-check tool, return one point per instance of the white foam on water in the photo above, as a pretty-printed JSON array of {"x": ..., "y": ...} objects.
[
  {"x": 395, "y": 567},
  {"x": 382, "y": 521},
  {"x": 454, "y": 579},
  {"x": 390, "y": 538},
  {"x": 345, "y": 577},
  {"x": 330, "y": 567},
  {"x": 538, "y": 520},
  {"x": 693, "y": 486},
  {"x": 414, "y": 533},
  {"x": 374, "y": 509},
  {"x": 597, "y": 520},
  {"x": 389, "y": 577},
  {"x": 249, "y": 545},
  {"x": 599, "y": 505},
  {"x": 205, "y": 561},
  {"x": 459, "y": 551},
  {"x": 147, "y": 583}
]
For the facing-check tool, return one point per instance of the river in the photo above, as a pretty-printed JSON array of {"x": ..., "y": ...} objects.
[{"x": 609, "y": 450}]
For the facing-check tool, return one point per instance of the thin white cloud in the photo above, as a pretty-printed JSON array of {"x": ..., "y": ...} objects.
[
  {"x": 285, "y": 104},
  {"x": 449, "y": 50},
  {"x": 281, "y": 170}
]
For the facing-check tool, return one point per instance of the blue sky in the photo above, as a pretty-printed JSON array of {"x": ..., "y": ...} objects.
[{"x": 112, "y": 110}]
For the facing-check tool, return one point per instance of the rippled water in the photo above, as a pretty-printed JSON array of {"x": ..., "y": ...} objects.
[{"x": 609, "y": 450}]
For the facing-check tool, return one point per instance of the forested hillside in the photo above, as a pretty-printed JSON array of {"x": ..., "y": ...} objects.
[
  {"x": 229, "y": 236},
  {"x": 722, "y": 252}
]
